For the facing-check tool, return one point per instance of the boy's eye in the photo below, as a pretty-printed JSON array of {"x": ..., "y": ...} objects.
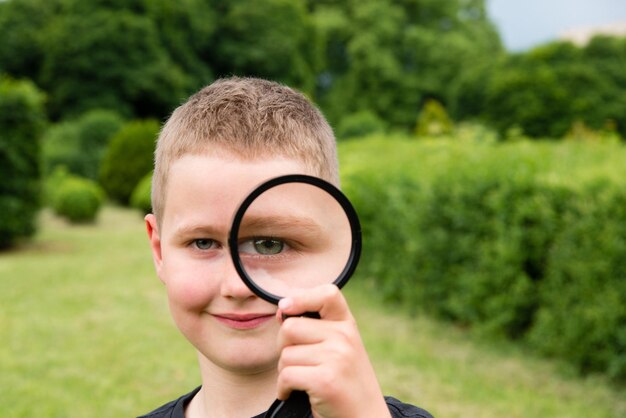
[
  {"x": 268, "y": 246},
  {"x": 204, "y": 243},
  {"x": 262, "y": 246}
]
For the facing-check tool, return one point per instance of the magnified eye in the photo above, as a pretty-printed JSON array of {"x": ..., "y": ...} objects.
[
  {"x": 204, "y": 243},
  {"x": 268, "y": 246},
  {"x": 262, "y": 246}
]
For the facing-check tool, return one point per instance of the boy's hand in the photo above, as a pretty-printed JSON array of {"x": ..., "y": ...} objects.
[{"x": 326, "y": 358}]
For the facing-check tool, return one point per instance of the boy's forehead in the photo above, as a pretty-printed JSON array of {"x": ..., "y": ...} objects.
[
  {"x": 245, "y": 156},
  {"x": 205, "y": 185},
  {"x": 235, "y": 168}
]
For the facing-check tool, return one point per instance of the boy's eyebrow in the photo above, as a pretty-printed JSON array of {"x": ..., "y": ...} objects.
[
  {"x": 281, "y": 223},
  {"x": 195, "y": 229}
]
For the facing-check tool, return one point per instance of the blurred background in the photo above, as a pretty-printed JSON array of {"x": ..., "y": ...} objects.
[{"x": 482, "y": 142}]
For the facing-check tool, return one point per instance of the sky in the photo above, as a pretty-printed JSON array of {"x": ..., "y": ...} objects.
[{"x": 524, "y": 24}]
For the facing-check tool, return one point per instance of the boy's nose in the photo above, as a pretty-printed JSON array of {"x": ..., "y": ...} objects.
[{"x": 231, "y": 284}]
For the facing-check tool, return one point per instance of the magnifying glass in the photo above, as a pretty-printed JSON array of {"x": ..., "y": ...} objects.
[{"x": 290, "y": 234}]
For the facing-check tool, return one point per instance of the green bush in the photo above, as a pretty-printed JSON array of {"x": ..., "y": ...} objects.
[
  {"x": 77, "y": 199},
  {"x": 61, "y": 148},
  {"x": 80, "y": 144},
  {"x": 52, "y": 183},
  {"x": 95, "y": 129},
  {"x": 128, "y": 158},
  {"x": 140, "y": 199},
  {"x": 387, "y": 204},
  {"x": 433, "y": 120},
  {"x": 522, "y": 240},
  {"x": 360, "y": 124},
  {"x": 22, "y": 119},
  {"x": 485, "y": 243},
  {"x": 582, "y": 315}
]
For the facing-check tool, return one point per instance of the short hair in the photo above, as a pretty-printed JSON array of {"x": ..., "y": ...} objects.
[{"x": 250, "y": 117}]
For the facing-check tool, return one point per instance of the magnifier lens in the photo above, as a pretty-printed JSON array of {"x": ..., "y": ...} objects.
[
  {"x": 293, "y": 233},
  {"x": 294, "y": 236}
]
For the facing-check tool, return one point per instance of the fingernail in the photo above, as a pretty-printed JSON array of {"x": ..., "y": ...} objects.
[{"x": 285, "y": 303}]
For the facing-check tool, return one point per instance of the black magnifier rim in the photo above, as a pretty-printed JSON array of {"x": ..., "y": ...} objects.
[{"x": 353, "y": 219}]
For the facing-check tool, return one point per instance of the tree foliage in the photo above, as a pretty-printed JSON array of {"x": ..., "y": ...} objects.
[
  {"x": 548, "y": 89},
  {"x": 386, "y": 57},
  {"x": 109, "y": 59},
  {"x": 389, "y": 57},
  {"x": 267, "y": 38}
]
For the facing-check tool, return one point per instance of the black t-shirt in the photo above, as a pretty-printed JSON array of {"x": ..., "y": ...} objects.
[{"x": 176, "y": 408}]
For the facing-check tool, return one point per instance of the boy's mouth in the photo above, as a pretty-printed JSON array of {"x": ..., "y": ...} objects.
[{"x": 244, "y": 321}]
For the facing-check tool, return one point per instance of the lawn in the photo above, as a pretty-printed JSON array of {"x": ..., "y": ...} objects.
[{"x": 85, "y": 332}]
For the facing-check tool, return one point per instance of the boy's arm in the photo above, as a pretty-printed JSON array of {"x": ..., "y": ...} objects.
[{"x": 326, "y": 358}]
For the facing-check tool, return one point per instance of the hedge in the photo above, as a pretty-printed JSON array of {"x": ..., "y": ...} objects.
[
  {"x": 582, "y": 301},
  {"x": 519, "y": 242},
  {"x": 22, "y": 119}
]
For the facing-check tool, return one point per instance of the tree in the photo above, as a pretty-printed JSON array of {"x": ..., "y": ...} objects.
[
  {"x": 186, "y": 29},
  {"x": 608, "y": 56},
  {"x": 109, "y": 60},
  {"x": 396, "y": 54},
  {"x": 22, "y": 24},
  {"x": 267, "y": 38},
  {"x": 548, "y": 89}
]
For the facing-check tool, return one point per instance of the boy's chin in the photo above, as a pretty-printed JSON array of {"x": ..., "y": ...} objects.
[
  {"x": 244, "y": 361},
  {"x": 250, "y": 369}
]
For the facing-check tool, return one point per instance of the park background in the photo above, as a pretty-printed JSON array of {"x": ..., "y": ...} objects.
[{"x": 490, "y": 183}]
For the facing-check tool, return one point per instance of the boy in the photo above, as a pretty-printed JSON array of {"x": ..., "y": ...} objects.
[{"x": 214, "y": 149}]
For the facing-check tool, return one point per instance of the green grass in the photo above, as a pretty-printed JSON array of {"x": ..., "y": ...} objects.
[
  {"x": 86, "y": 332},
  {"x": 456, "y": 374}
]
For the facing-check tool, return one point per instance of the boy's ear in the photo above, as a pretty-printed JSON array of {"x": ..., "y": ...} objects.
[{"x": 155, "y": 242}]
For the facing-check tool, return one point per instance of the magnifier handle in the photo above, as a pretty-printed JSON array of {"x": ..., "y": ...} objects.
[
  {"x": 314, "y": 315},
  {"x": 296, "y": 406}
]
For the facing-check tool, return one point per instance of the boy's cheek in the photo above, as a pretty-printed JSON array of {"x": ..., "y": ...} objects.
[{"x": 189, "y": 292}]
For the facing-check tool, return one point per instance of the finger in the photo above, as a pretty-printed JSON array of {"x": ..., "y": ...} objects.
[
  {"x": 300, "y": 355},
  {"x": 327, "y": 300},
  {"x": 299, "y": 330},
  {"x": 295, "y": 378}
]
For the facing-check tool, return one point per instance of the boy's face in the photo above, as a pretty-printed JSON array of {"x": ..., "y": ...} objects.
[{"x": 229, "y": 325}]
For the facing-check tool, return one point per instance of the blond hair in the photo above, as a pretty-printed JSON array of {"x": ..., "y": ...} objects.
[{"x": 250, "y": 117}]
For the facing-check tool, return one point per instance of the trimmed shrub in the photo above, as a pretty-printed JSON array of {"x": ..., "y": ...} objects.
[
  {"x": 141, "y": 197},
  {"x": 52, "y": 184},
  {"x": 22, "y": 119},
  {"x": 80, "y": 144},
  {"x": 95, "y": 129},
  {"x": 433, "y": 120},
  {"x": 128, "y": 158},
  {"x": 78, "y": 199},
  {"x": 61, "y": 148},
  {"x": 360, "y": 124}
]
